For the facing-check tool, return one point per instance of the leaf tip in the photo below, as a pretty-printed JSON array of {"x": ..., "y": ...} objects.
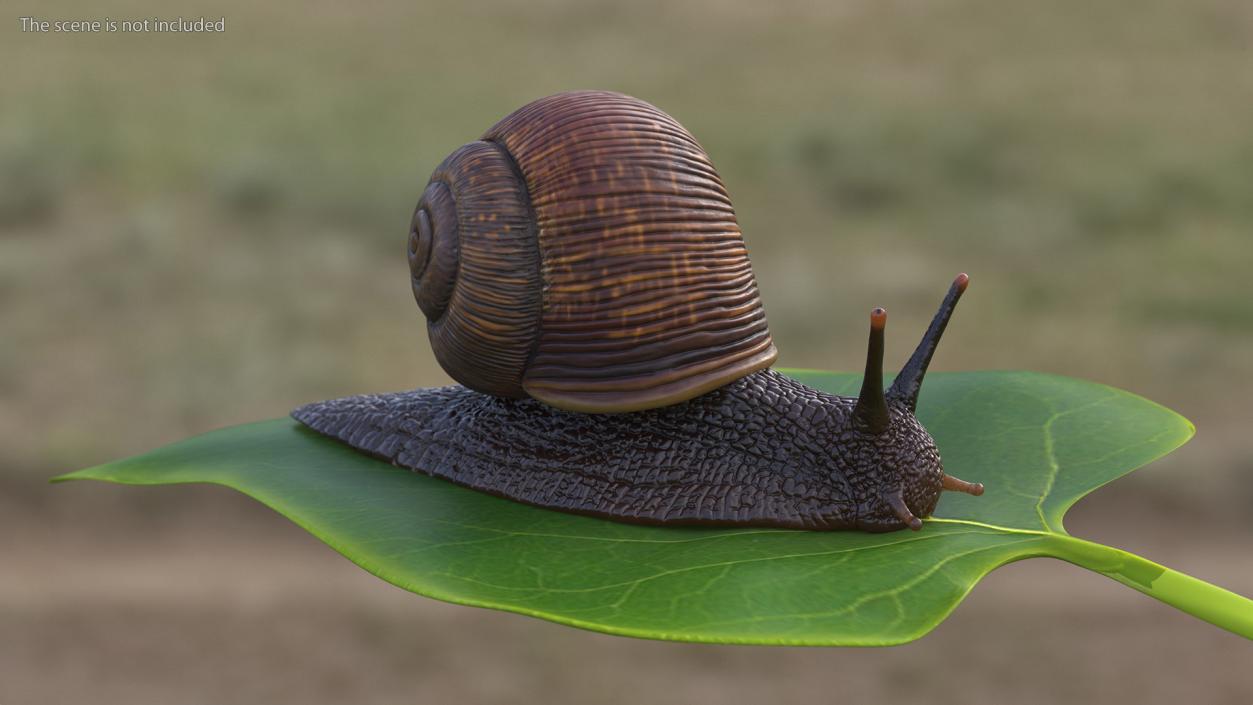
[{"x": 91, "y": 473}]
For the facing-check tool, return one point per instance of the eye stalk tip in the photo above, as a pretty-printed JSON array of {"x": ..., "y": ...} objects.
[
  {"x": 908, "y": 383},
  {"x": 871, "y": 412}
]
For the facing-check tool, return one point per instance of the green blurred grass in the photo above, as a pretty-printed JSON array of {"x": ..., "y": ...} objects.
[{"x": 201, "y": 230}]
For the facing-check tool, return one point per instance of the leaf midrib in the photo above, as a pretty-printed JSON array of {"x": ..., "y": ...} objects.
[
  {"x": 633, "y": 583},
  {"x": 893, "y": 592},
  {"x": 994, "y": 527}
]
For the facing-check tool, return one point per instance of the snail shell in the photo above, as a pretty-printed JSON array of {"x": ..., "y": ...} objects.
[{"x": 585, "y": 253}]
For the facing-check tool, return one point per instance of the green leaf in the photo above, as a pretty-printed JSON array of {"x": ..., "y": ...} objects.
[{"x": 1038, "y": 443}]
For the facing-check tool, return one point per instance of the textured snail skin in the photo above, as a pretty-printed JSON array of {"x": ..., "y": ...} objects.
[{"x": 764, "y": 450}]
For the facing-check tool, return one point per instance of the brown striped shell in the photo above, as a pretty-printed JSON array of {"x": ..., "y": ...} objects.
[{"x": 585, "y": 253}]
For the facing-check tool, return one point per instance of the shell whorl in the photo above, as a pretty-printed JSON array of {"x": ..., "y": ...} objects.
[
  {"x": 585, "y": 253},
  {"x": 478, "y": 280}
]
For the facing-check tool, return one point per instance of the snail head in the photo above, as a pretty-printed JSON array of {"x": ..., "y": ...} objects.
[{"x": 902, "y": 474}]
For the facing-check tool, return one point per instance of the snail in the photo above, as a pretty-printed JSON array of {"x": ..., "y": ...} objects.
[{"x": 585, "y": 281}]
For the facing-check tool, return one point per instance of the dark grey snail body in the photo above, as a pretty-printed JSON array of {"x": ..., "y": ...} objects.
[
  {"x": 764, "y": 450},
  {"x": 637, "y": 387}
]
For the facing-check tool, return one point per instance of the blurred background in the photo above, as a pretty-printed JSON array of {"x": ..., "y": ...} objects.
[{"x": 200, "y": 230}]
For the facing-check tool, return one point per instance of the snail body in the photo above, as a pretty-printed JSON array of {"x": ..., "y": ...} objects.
[{"x": 584, "y": 279}]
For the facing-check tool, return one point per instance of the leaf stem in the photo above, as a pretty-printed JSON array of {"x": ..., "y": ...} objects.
[{"x": 1198, "y": 598}]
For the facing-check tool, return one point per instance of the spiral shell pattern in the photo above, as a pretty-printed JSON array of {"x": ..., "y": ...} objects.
[
  {"x": 585, "y": 253},
  {"x": 474, "y": 263}
]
